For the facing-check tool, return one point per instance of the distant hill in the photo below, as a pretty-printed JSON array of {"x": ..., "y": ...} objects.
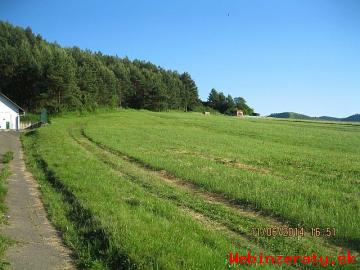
[
  {"x": 293, "y": 115},
  {"x": 327, "y": 118},
  {"x": 353, "y": 118},
  {"x": 290, "y": 115}
]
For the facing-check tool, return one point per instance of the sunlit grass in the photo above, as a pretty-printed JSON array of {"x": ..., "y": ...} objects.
[
  {"x": 113, "y": 222},
  {"x": 118, "y": 211},
  {"x": 313, "y": 168}
]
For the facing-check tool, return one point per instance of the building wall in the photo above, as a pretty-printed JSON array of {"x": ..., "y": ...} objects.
[{"x": 8, "y": 113}]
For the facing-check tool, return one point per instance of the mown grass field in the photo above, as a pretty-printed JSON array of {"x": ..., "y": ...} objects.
[{"x": 146, "y": 190}]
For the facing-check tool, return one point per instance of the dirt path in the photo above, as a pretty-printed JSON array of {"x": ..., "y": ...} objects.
[{"x": 38, "y": 243}]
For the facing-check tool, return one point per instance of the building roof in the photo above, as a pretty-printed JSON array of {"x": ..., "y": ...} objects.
[{"x": 12, "y": 102}]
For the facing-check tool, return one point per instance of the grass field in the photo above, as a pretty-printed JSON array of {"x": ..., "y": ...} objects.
[{"x": 148, "y": 190}]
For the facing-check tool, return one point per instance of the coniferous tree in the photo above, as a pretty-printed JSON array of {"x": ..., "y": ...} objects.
[
  {"x": 213, "y": 99},
  {"x": 36, "y": 74},
  {"x": 190, "y": 92}
]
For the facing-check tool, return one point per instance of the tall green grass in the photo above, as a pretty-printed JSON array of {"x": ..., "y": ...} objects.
[
  {"x": 4, "y": 174},
  {"x": 237, "y": 221},
  {"x": 113, "y": 222},
  {"x": 7, "y": 157},
  {"x": 104, "y": 191},
  {"x": 313, "y": 170}
]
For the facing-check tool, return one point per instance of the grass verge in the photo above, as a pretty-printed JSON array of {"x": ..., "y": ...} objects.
[
  {"x": 7, "y": 157},
  {"x": 4, "y": 174}
]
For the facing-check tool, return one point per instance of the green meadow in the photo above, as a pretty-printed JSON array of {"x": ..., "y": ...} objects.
[{"x": 148, "y": 190}]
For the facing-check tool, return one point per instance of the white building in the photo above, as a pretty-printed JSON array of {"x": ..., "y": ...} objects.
[{"x": 9, "y": 113}]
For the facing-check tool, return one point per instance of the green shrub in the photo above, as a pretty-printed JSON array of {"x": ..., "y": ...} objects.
[{"x": 31, "y": 117}]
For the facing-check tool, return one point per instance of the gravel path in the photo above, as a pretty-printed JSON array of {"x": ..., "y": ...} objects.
[{"x": 38, "y": 243}]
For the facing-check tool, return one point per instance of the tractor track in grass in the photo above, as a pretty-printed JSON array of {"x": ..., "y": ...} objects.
[
  {"x": 206, "y": 196},
  {"x": 197, "y": 215},
  {"x": 244, "y": 209},
  {"x": 224, "y": 161},
  {"x": 194, "y": 189}
]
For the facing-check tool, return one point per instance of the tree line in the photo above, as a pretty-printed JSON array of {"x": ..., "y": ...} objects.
[
  {"x": 226, "y": 104},
  {"x": 37, "y": 74}
]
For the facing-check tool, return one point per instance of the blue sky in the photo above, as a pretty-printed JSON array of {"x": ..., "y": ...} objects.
[{"x": 280, "y": 55}]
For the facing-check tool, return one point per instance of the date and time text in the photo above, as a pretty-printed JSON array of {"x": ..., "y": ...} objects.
[{"x": 293, "y": 232}]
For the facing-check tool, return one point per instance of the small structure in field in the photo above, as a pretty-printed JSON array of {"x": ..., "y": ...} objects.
[
  {"x": 206, "y": 113},
  {"x": 239, "y": 113},
  {"x": 9, "y": 113}
]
